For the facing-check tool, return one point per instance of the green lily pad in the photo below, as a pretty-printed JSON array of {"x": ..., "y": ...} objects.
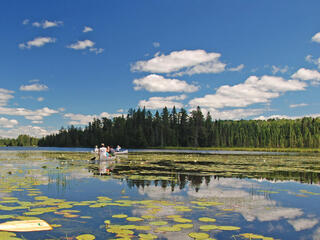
[
  {"x": 86, "y": 237},
  {"x": 206, "y": 219},
  {"x": 120, "y": 216},
  {"x": 158, "y": 223},
  {"x": 134, "y": 219},
  {"x": 147, "y": 236},
  {"x": 196, "y": 235}
]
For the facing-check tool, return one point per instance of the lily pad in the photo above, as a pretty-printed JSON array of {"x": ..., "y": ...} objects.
[
  {"x": 196, "y": 235},
  {"x": 86, "y": 237}
]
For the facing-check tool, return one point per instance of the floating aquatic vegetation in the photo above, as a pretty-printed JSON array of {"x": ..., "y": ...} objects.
[
  {"x": 120, "y": 216},
  {"x": 199, "y": 236},
  {"x": 134, "y": 219},
  {"x": 213, "y": 227},
  {"x": 6, "y": 216},
  {"x": 86, "y": 237},
  {"x": 182, "y": 220},
  {"x": 255, "y": 236},
  {"x": 207, "y": 219},
  {"x": 168, "y": 229},
  {"x": 9, "y": 236},
  {"x": 147, "y": 236}
]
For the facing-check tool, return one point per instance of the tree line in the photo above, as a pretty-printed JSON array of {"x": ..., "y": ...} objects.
[
  {"x": 21, "y": 140},
  {"x": 140, "y": 128}
]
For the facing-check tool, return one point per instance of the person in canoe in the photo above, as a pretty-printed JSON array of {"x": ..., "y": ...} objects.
[
  {"x": 118, "y": 148},
  {"x": 103, "y": 153}
]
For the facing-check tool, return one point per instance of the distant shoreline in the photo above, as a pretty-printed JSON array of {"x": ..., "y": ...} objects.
[{"x": 288, "y": 150}]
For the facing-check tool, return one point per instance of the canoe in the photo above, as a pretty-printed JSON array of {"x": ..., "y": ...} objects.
[
  {"x": 25, "y": 226},
  {"x": 121, "y": 152}
]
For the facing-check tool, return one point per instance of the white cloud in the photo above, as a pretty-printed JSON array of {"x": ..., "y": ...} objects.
[
  {"x": 34, "y": 87},
  {"x": 298, "y": 105},
  {"x": 309, "y": 58},
  {"x": 316, "y": 115},
  {"x": 157, "y": 83},
  {"x": 161, "y": 102},
  {"x": 87, "y": 29},
  {"x": 303, "y": 223},
  {"x": 34, "y": 115},
  {"x": 5, "y": 96},
  {"x": 81, "y": 45},
  {"x": 316, "y": 38},
  {"x": 236, "y": 69},
  {"x": 40, "y": 99},
  {"x": 47, "y": 24},
  {"x": 252, "y": 207},
  {"x": 81, "y": 119},
  {"x": 234, "y": 114},
  {"x": 307, "y": 75},
  {"x": 7, "y": 123},
  {"x": 156, "y": 44},
  {"x": 253, "y": 90},
  {"x": 30, "y": 130},
  {"x": 192, "y": 61},
  {"x": 276, "y": 69},
  {"x": 37, "y": 42},
  {"x": 26, "y": 22},
  {"x": 96, "y": 50},
  {"x": 120, "y": 110}
]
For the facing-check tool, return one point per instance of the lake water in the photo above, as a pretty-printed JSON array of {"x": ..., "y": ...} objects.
[{"x": 162, "y": 195}]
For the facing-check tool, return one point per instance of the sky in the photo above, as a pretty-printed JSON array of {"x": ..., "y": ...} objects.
[{"x": 64, "y": 63}]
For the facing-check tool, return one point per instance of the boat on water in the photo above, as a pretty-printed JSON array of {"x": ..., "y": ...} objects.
[{"x": 121, "y": 152}]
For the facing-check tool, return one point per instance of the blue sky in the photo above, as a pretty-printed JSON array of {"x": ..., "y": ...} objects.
[{"x": 66, "y": 62}]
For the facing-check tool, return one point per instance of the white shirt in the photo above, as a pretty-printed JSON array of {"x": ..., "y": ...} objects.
[{"x": 103, "y": 152}]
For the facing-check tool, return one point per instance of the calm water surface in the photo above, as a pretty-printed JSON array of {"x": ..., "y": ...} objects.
[{"x": 168, "y": 200}]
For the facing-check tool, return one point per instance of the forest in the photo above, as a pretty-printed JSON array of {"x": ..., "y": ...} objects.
[
  {"x": 141, "y": 128},
  {"x": 21, "y": 141}
]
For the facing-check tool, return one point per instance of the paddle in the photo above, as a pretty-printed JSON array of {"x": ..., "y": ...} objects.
[{"x": 25, "y": 226}]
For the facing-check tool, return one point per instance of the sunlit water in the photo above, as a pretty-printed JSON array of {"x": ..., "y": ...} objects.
[{"x": 168, "y": 201}]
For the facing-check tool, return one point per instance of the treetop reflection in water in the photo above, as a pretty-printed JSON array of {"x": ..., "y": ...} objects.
[{"x": 164, "y": 196}]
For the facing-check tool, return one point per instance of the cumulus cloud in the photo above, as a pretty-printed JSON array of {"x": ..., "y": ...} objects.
[
  {"x": 8, "y": 123},
  {"x": 316, "y": 38},
  {"x": 157, "y": 83},
  {"x": 298, "y": 105},
  {"x": 81, "y": 119},
  {"x": 252, "y": 207},
  {"x": 233, "y": 114},
  {"x": 34, "y": 115},
  {"x": 5, "y": 96},
  {"x": 25, "y": 22},
  {"x": 81, "y": 45},
  {"x": 47, "y": 24},
  {"x": 236, "y": 69},
  {"x": 303, "y": 223},
  {"x": 37, "y": 42},
  {"x": 307, "y": 75},
  {"x": 161, "y": 102},
  {"x": 190, "y": 61},
  {"x": 40, "y": 99},
  {"x": 309, "y": 58},
  {"x": 87, "y": 29},
  {"x": 316, "y": 115},
  {"x": 34, "y": 87},
  {"x": 253, "y": 90},
  {"x": 30, "y": 130},
  {"x": 276, "y": 69}
]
